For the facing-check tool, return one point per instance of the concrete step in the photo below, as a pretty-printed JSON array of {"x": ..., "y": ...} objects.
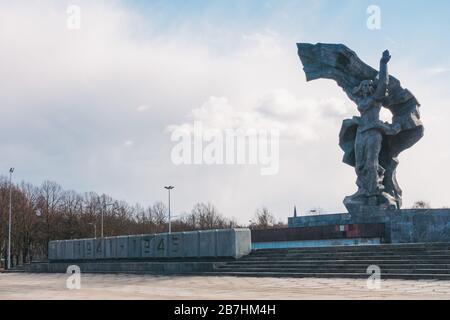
[
  {"x": 346, "y": 249},
  {"x": 14, "y": 270},
  {"x": 409, "y": 261},
  {"x": 270, "y": 254},
  {"x": 411, "y": 258},
  {"x": 329, "y": 275},
  {"x": 348, "y": 269},
  {"x": 339, "y": 265},
  {"x": 391, "y": 252}
]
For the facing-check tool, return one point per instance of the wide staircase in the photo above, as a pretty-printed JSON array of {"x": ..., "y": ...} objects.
[{"x": 399, "y": 261}]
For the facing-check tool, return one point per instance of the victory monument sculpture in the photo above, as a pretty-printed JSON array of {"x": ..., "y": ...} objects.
[{"x": 370, "y": 145}]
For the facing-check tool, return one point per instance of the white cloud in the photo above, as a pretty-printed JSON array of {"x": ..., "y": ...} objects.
[{"x": 302, "y": 120}]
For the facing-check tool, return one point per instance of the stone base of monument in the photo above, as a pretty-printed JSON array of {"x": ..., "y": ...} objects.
[
  {"x": 400, "y": 226},
  {"x": 406, "y": 244}
]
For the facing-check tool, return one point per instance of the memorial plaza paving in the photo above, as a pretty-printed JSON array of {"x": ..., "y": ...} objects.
[{"x": 126, "y": 286}]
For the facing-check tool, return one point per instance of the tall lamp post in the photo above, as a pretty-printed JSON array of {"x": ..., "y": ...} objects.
[
  {"x": 11, "y": 170},
  {"x": 103, "y": 212},
  {"x": 170, "y": 221}
]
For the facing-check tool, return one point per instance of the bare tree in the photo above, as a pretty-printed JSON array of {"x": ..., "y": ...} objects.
[
  {"x": 160, "y": 215},
  {"x": 50, "y": 193},
  {"x": 263, "y": 219},
  {"x": 206, "y": 216}
]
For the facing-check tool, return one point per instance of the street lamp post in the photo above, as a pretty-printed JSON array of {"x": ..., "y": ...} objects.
[
  {"x": 103, "y": 212},
  {"x": 170, "y": 221},
  {"x": 11, "y": 170}
]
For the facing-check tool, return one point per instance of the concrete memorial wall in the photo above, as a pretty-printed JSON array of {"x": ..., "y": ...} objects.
[
  {"x": 400, "y": 226},
  {"x": 231, "y": 243}
]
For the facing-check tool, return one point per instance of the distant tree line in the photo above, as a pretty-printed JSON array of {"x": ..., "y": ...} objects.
[{"x": 48, "y": 212}]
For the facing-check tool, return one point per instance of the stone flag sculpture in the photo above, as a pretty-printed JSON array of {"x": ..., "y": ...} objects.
[{"x": 370, "y": 145}]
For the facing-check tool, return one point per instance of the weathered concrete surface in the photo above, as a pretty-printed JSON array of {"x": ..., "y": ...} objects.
[
  {"x": 175, "y": 249},
  {"x": 121, "y": 247},
  {"x": 69, "y": 251},
  {"x": 401, "y": 226},
  {"x": 190, "y": 250},
  {"x": 110, "y": 248},
  {"x": 208, "y": 243},
  {"x": 88, "y": 248},
  {"x": 160, "y": 267},
  {"x": 52, "y": 250},
  {"x": 99, "y": 249},
  {"x": 233, "y": 243},
  {"x": 78, "y": 250},
  {"x": 134, "y": 246},
  {"x": 146, "y": 251},
  {"x": 160, "y": 246},
  {"x": 120, "y": 286},
  {"x": 243, "y": 242}
]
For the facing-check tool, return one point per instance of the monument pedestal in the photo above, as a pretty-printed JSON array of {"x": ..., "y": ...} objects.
[{"x": 401, "y": 226}]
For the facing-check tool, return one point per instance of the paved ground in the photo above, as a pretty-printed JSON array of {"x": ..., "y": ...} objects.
[{"x": 120, "y": 286}]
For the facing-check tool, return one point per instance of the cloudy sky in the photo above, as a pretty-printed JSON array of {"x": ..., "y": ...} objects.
[{"x": 93, "y": 108}]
